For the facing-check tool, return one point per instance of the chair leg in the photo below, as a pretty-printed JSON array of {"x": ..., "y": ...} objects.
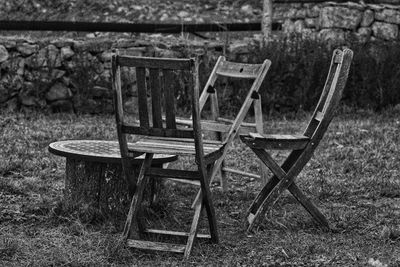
[
  {"x": 205, "y": 195},
  {"x": 193, "y": 229},
  {"x": 207, "y": 201},
  {"x": 274, "y": 188},
  {"x": 260, "y": 129},
  {"x": 309, "y": 206},
  {"x": 224, "y": 177},
  {"x": 130, "y": 175},
  {"x": 134, "y": 208}
]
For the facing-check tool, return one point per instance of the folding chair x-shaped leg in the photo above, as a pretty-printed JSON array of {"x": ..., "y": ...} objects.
[{"x": 302, "y": 146}]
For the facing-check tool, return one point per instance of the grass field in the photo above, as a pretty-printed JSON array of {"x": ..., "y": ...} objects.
[{"x": 354, "y": 177}]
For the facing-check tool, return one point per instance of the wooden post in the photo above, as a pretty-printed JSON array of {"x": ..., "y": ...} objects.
[{"x": 266, "y": 21}]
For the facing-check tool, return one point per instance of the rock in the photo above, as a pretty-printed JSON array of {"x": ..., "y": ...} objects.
[
  {"x": 288, "y": 26},
  {"x": 363, "y": 34},
  {"x": 247, "y": 9},
  {"x": 124, "y": 43},
  {"x": 388, "y": 15},
  {"x": 48, "y": 56},
  {"x": 93, "y": 46},
  {"x": 368, "y": 18},
  {"x": 66, "y": 52},
  {"x": 340, "y": 17},
  {"x": 299, "y": 26},
  {"x": 106, "y": 75},
  {"x": 311, "y": 22},
  {"x": 279, "y": 13},
  {"x": 58, "y": 92},
  {"x": 60, "y": 43},
  {"x": 164, "y": 17},
  {"x": 3, "y": 54},
  {"x": 56, "y": 74},
  {"x": 106, "y": 56},
  {"x": 27, "y": 49},
  {"x": 99, "y": 91},
  {"x": 313, "y": 12},
  {"x": 14, "y": 64},
  {"x": 12, "y": 82},
  {"x": 301, "y": 14},
  {"x": 332, "y": 36},
  {"x": 8, "y": 43},
  {"x": 183, "y": 14},
  {"x": 385, "y": 31}
]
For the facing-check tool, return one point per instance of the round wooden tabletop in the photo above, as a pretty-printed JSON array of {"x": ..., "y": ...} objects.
[{"x": 99, "y": 151}]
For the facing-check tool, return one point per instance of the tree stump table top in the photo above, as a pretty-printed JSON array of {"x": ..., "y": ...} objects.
[{"x": 99, "y": 151}]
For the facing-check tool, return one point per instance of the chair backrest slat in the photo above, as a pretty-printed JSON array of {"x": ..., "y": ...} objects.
[
  {"x": 238, "y": 70},
  {"x": 169, "y": 99},
  {"x": 142, "y": 97},
  {"x": 156, "y": 104},
  {"x": 149, "y": 62}
]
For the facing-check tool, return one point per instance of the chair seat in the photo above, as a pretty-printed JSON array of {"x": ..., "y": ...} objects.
[
  {"x": 276, "y": 141},
  {"x": 175, "y": 146}
]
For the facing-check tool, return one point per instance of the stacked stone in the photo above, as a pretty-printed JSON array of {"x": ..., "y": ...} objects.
[
  {"x": 73, "y": 75},
  {"x": 339, "y": 22}
]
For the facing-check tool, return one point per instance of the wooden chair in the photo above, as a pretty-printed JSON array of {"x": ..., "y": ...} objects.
[
  {"x": 302, "y": 146},
  {"x": 153, "y": 136},
  {"x": 226, "y": 130}
]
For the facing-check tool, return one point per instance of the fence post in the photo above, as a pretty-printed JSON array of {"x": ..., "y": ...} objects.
[{"x": 266, "y": 21}]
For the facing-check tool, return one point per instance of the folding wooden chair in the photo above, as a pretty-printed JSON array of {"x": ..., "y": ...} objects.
[
  {"x": 302, "y": 146},
  {"x": 223, "y": 129},
  {"x": 153, "y": 136}
]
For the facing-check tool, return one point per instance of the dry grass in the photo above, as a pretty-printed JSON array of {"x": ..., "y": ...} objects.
[{"x": 353, "y": 178}]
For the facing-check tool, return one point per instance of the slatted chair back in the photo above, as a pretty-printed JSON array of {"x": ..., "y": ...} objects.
[
  {"x": 158, "y": 92},
  {"x": 228, "y": 69},
  {"x": 156, "y": 80},
  {"x": 226, "y": 130}
]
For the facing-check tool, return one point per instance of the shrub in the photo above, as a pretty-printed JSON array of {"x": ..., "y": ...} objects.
[{"x": 299, "y": 69}]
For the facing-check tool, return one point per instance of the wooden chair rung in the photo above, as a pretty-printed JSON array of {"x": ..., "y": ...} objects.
[
  {"x": 196, "y": 183},
  {"x": 174, "y": 233},
  {"x": 170, "y": 173},
  {"x": 158, "y": 246},
  {"x": 251, "y": 175},
  {"x": 243, "y": 124}
]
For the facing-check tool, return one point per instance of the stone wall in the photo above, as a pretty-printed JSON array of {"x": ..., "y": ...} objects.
[
  {"x": 338, "y": 22},
  {"x": 74, "y": 75}
]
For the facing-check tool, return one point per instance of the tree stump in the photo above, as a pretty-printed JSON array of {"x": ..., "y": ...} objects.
[{"x": 94, "y": 176}]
